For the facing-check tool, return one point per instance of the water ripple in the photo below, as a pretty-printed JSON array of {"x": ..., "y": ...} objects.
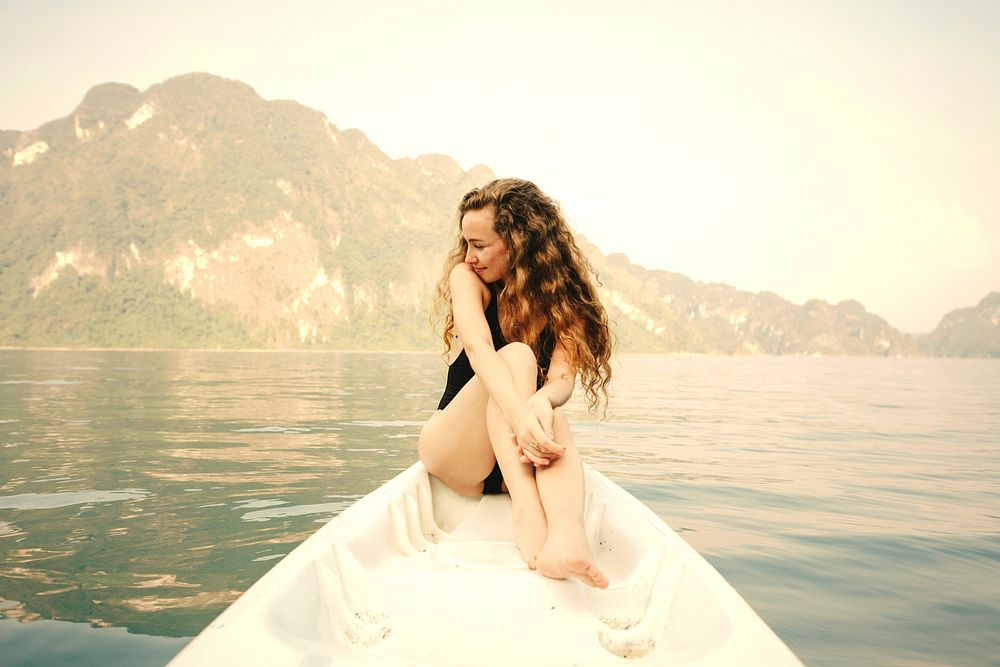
[{"x": 45, "y": 501}]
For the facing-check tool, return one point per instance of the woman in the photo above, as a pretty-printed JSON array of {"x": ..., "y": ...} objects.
[{"x": 525, "y": 312}]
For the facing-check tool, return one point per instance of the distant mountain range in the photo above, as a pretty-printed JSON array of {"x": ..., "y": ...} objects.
[
  {"x": 196, "y": 214},
  {"x": 967, "y": 332}
]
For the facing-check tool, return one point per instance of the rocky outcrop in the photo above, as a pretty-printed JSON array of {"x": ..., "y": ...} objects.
[
  {"x": 967, "y": 332},
  {"x": 195, "y": 213}
]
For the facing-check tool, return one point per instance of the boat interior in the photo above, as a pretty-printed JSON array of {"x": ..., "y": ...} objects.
[
  {"x": 432, "y": 562},
  {"x": 416, "y": 574}
]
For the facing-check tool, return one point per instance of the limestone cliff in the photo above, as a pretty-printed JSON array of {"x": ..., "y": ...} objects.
[{"x": 195, "y": 213}]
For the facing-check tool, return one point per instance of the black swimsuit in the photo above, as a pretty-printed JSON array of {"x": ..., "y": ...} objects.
[{"x": 460, "y": 372}]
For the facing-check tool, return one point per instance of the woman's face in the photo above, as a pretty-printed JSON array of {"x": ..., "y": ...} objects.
[{"x": 487, "y": 253}]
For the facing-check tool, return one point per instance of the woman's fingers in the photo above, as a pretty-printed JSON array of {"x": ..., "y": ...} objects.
[
  {"x": 536, "y": 455},
  {"x": 523, "y": 454},
  {"x": 530, "y": 453},
  {"x": 542, "y": 439},
  {"x": 549, "y": 446},
  {"x": 535, "y": 444},
  {"x": 550, "y": 451}
]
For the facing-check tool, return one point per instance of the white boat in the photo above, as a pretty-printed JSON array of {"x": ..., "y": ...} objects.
[{"x": 416, "y": 574}]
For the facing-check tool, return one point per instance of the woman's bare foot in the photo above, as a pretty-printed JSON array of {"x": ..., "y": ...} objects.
[
  {"x": 530, "y": 533},
  {"x": 567, "y": 554}
]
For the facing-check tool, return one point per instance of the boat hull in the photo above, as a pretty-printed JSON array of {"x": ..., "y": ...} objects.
[{"x": 415, "y": 574}]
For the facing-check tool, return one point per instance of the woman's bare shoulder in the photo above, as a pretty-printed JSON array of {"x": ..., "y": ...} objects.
[{"x": 466, "y": 281}]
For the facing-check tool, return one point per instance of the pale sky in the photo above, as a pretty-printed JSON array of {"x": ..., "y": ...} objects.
[{"x": 838, "y": 150}]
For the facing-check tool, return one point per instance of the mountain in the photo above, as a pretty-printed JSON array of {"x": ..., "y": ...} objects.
[
  {"x": 967, "y": 332},
  {"x": 665, "y": 311},
  {"x": 196, "y": 214}
]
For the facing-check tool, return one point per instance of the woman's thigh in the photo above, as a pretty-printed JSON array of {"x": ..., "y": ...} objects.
[{"x": 454, "y": 445}]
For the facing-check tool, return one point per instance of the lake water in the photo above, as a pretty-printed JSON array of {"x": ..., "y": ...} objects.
[{"x": 854, "y": 502}]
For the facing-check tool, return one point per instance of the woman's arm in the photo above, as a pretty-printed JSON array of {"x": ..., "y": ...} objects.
[
  {"x": 559, "y": 380},
  {"x": 467, "y": 296},
  {"x": 559, "y": 383}
]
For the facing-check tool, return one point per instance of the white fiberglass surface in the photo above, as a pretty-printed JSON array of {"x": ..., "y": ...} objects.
[{"x": 353, "y": 594}]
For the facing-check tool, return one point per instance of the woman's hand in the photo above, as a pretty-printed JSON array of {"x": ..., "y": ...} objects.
[{"x": 533, "y": 439}]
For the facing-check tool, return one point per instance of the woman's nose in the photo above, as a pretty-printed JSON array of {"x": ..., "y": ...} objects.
[{"x": 469, "y": 256}]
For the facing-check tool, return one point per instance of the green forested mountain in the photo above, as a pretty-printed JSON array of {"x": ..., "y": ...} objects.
[
  {"x": 967, "y": 332},
  {"x": 676, "y": 313},
  {"x": 196, "y": 214}
]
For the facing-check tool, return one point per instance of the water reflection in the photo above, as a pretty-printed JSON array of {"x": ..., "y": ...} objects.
[
  {"x": 842, "y": 497},
  {"x": 185, "y": 473},
  {"x": 28, "y": 501}
]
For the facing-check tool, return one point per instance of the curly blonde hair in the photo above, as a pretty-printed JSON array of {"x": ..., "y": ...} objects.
[{"x": 550, "y": 284}]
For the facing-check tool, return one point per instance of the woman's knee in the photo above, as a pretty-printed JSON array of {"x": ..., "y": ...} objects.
[
  {"x": 429, "y": 448},
  {"x": 518, "y": 355},
  {"x": 424, "y": 449},
  {"x": 440, "y": 464},
  {"x": 564, "y": 435},
  {"x": 431, "y": 456},
  {"x": 439, "y": 468}
]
